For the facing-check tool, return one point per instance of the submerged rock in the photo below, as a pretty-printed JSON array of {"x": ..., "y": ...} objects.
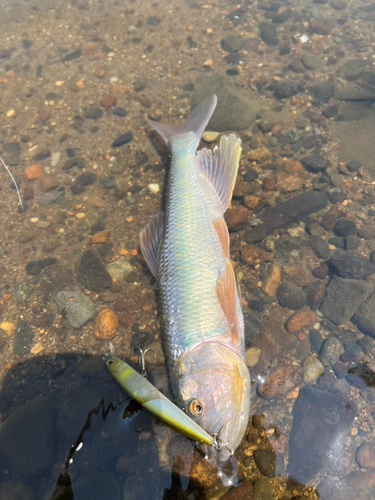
[
  {"x": 79, "y": 309},
  {"x": 364, "y": 318},
  {"x": 321, "y": 421},
  {"x": 92, "y": 273},
  {"x": 351, "y": 265}
]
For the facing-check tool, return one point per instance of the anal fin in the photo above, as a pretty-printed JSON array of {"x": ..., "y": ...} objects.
[
  {"x": 150, "y": 237},
  {"x": 226, "y": 292},
  {"x": 220, "y": 167}
]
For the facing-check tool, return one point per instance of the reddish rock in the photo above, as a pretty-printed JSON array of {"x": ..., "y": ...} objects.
[
  {"x": 237, "y": 218},
  {"x": 251, "y": 201},
  {"x": 106, "y": 324},
  {"x": 280, "y": 381},
  {"x": 243, "y": 491},
  {"x": 33, "y": 172},
  {"x": 300, "y": 320},
  {"x": 253, "y": 255},
  {"x": 108, "y": 101},
  {"x": 48, "y": 183},
  {"x": 100, "y": 238},
  {"x": 291, "y": 166},
  {"x": 321, "y": 271},
  {"x": 28, "y": 193},
  {"x": 328, "y": 221},
  {"x": 365, "y": 456},
  {"x": 320, "y": 28},
  {"x": 361, "y": 481},
  {"x": 288, "y": 182},
  {"x": 268, "y": 183},
  {"x": 44, "y": 115},
  {"x": 128, "y": 320}
]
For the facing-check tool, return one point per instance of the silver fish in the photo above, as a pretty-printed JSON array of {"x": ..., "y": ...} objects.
[{"x": 187, "y": 251}]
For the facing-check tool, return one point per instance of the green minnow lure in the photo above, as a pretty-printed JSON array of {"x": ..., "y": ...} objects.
[
  {"x": 155, "y": 402},
  {"x": 186, "y": 248}
]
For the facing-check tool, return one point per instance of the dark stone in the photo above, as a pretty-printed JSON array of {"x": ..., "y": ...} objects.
[
  {"x": 188, "y": 87},
  {"x": 345, "y": 227},
  {"x": 153, "y": 21},
  {"x": 94, "y": 114},
  {"x": 268, "y": 34},
  {"x": 321, "y": 421},
  {"x": 42, "y": 155},
  {"x": 315, "y": 163},
  {"x": 140, "y": 83},
  {"x": 266, "y": 461},
  {"x": 321, "y": 271},
  {"x": 282, "y": 16},
  {"x": 296, "y": 66},
  {"x": 330, "y": 111},
  {"x": 92, "y": 273},
  {"x": 85, "y": 179},
  {"x": 284, "y": 49},
  {"x": 291, "y": 296},
  {"x": 310, "y": 142},
  {"x": 232, "y": 43},
  {"x": 256, "y": 305},
  {"x": 108, "y": 183},
  {"x": 343, "y": 297},
  {"x": 72, "y": 55},
  {"x": 250, "y": 175},
  {"x": 316, "y": 340},
  {"x": 253, "y": 328},
  {"x": 12, "y": 148},
  {"x": 285, "y": 88},
  {"x": 365, "y": 344},
  {"x": 337, "y": 241},
  {"x": 233, "y": 59},
  {"x": 69, "y": 164},
  {"x": 35, "y": 266},
  {"x": 353, "y": 165},
  {"x": 122, "y": 139},
  {"x": 339, "y": 370},
  {"x": 364, "y": 318},
  {"x": 314, "y": 294},
  {"x": 352, "y": 242},
  {"x": 119, "y": 112},
  {"x": 320, "y": 247},
  {"x": 352, "y": 69},
  {"x": 23, "y": 338},
  {"x": 77, "y": 189},
  {"x": 351, "y": 265},
  {"x": 363, "y": 372},
  {"x": 324, "y": 91},
  {"x": 27, "y": 438}
]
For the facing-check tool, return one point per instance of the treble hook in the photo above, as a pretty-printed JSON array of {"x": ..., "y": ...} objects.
[{"x": 142, "y": 361}]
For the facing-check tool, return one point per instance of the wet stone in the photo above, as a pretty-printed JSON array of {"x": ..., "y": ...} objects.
[
  {"x": 50, "y": 199},
  {"x": 263, "y": 490},
  {"x": 300, "y": 320},
  {"x": 92, "y": 273},
  {"x": 85, "y": 179},
  {"x": 268, "y": 34},
  {"x": 316, "y": 340},
  {"x": 69, "y": 164},
  {"x": 122, "y": 139},
  {"x": 23, "y": 338},
  {"x": 320, "y": 418},
  {"x": 108, "y": 183},
  {"x": 343, "y": 297},
  {"x": 291, "y": 296},
  {"x": 339, "y": 370},
  {"x": 315, "y": 163},
  {"x": 312, "y": 369},
  {"x": 314, "y": 291},
  {"x": 77, "y": 189},
  {"x": 364, "y": 318},
  {"x": 121, "y": 112},
  {"x": 365, "y": 456},
  {"x": 331, "y": 350},
  {"x": 324, "y": 91},
  {"x": 353, "y": 165},
  {"x": 321, "y": 271},
  {"x": 266, "y": 461},
  {"x": 27, "y": 438},
  {"x": 320, "y": 247},
  {"x": 94, "y": 114},
  {"x": 337, "y": 241},
  {"x": 366, "y": 232},
  {"x": 251, "y": 175},
  {"x": 352, "y": 69},
  {"x": 345, "y": 227},
  {"x": 24, "y": 290},
  {"x": 35, "y": 267},
  {"x": 279, "y": 381},
  {"x": 351, "y": 265},
  {"x": 78, "y": 308},
  {"x": 286, "y": 88},
  {"x": 352, "y": 242},
  {"x": 253, "y": 328},
  {"x": 311, "y": 61}
]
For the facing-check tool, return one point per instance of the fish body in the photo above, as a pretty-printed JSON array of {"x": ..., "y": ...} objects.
[
  {"x": 155, "y": 402},
  {"x": 187, "y": 250}
]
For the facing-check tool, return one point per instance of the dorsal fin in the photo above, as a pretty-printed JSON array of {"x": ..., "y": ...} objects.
[
  {"x": 226, "y": 292},
  {"x": 150, "y": 237},
  {"x": 196, "y": 122},
  {"x": 220, "y": 167},
  {"x": 222, "y": 232}
]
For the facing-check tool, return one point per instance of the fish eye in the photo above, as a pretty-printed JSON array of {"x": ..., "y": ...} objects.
[{"x": 195, "y": 407}]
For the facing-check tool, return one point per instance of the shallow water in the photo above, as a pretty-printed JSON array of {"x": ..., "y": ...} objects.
[{"x": 295, "y": 80}]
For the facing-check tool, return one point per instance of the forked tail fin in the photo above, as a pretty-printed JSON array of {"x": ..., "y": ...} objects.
[{"x": 195, "y": 123}]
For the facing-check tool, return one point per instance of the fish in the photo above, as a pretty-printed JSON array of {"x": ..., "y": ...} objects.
[
  {"x": 186, "y": 248},
  {"x": 140, "y": 389}
]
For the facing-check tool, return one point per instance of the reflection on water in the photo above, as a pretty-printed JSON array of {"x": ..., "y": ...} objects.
[{"x": 78, "y": 79}]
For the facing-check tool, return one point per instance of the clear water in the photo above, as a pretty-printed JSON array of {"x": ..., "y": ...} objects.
[{"x": 67, "y": 431}]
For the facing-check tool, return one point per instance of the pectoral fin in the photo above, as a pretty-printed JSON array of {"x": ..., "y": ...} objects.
[
  {"x": 222, "y": 232},
  {"x": 220, "y": 167},
  {"x": 150, "y": 237},
  {"x": 226, "y": 292}
]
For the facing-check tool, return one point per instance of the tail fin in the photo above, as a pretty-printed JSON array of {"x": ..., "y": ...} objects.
[{"x": 196, "y": 122}]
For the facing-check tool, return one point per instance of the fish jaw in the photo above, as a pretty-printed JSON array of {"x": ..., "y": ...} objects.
[{"x": 213, "y": 374}]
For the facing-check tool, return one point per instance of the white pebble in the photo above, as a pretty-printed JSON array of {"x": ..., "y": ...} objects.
[
  {"x": 154, "y": 188},
  {"x": 55, "y": 158}
]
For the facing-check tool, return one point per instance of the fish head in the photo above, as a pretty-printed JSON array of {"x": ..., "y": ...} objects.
[{"x": 214, "y": 389}]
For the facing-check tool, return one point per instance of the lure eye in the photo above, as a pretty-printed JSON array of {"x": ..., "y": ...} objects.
[
  {"x": 110, "y": 362},
  {"x": 195, "y": 407}
]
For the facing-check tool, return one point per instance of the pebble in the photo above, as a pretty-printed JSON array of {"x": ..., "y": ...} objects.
[
  {"x": 48, "y": 183},
  {"x": 122, "y": 139},
  {"x": 253, "y": 255},
  {"x": 8, "y": 327},
  {"x": 100, "y": 238},
  {"x": 106, "y": 324},
  {"x": 343, "y": 298},
  {"x": 311, "y": 61},
  {"x": 232, "y": 43},
  {"x": 252, "y": 356},
  {"x": 35, "y": 266},
  {"x": 320, "y": 418},
  {"x": 108, "y": 101},
  {"x": 260, "y": 155},
  {"x": 33, "y": 172},
  {"x": 24, "y": 290},
  {"x": 120, "y": 269},
  {"x": 351, "y": 265},
  {"x": 121, "y": 112},
  {"x": 210, "y": 137},
  {"x": 49, "y": 199},
  {"x": 237, "y": 219},
  {"x": 291, "y": 296},
  {"x": 154, "y": 188},
  {"x": 365, "y": 456},
  {"x": 253, "y": 328},
  {"x": 316, "y": 340},
  {"x": 352, "y": 69},
  {"x": 331, "y": 351},
  {"x": 92, "y": 273},
  {"x": 265, "y": 460},
  {"x": 251, "y": 201},
  {"x": 271, "y": 279},
  {"x": 94, "y": 114},
  {"x": 315, "y": 163},
  {"x": 315, "y": 291},
  {"x": 285, "y": 88},
  {"x": 328, "y": 221},
  {"x": 324, "y": 91},
  {"x": 268, "y": 34},
  {"x": 364, "y": 318},
  {"x": 320, "y": 247},
  {"x": 78, "y": 307},
  {"x": 300, "y": 320},
  {"x": 353, "y": 165},
  {"x": 108, "y": 183},
  {"x": 291, "y": 166},
  {"x": 280, "y": 380},
  {"x": 320, "y": 28},
  {"x": 288, "y": 182},
  {"x": 55, "y": 158},
  {"x": 23, "y": 338},
  {"x": 85, "y": 179},
  {"x": 345, "y": 227},
  {"x": 312, "y": 369},
  {"x": 101, "y": 71}
]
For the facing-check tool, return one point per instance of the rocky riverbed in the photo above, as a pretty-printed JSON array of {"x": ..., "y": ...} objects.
[{"x": 296, "y": 81}]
